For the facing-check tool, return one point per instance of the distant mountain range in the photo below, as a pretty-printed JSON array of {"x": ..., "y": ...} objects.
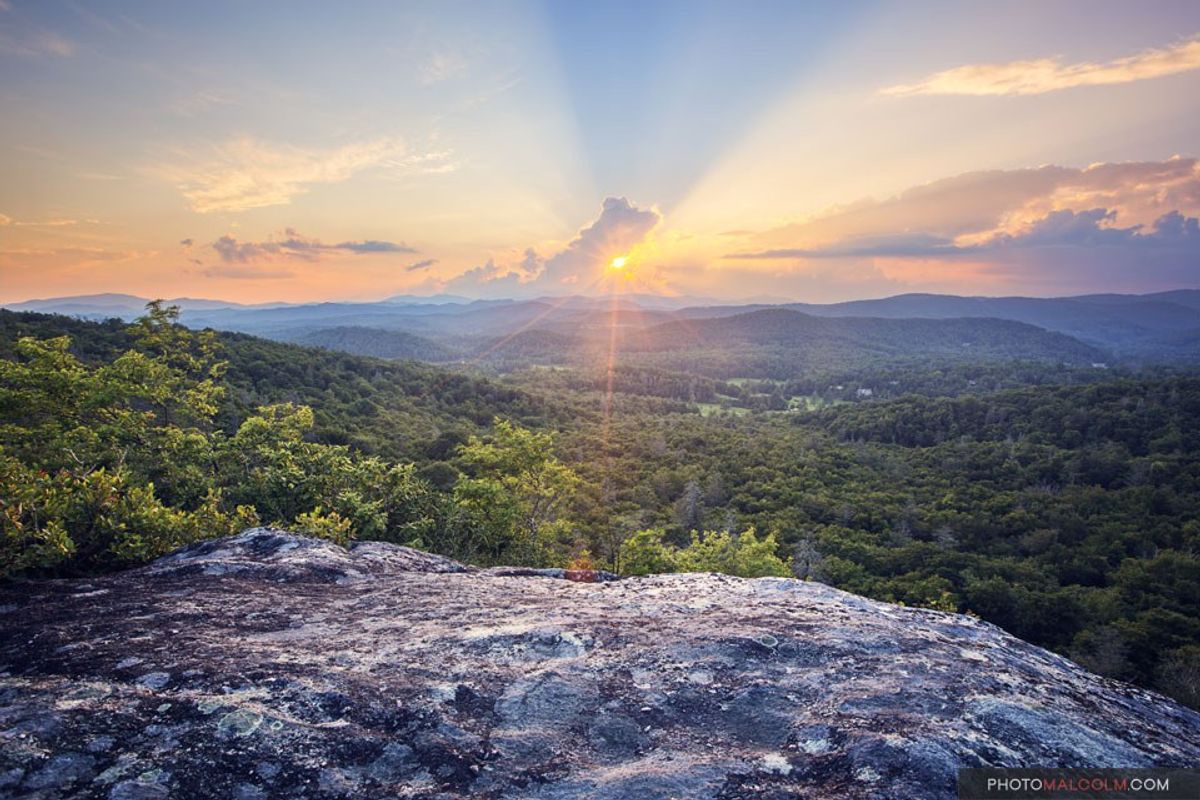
[
  {"x": 106, "y": 306},
  {"x": 1161, "y": 327}
]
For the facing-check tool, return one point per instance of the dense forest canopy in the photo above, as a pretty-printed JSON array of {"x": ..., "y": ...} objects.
[{"x": 1062, "y": 504}]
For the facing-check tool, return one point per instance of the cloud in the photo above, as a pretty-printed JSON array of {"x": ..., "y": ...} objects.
[
  {"x": 441, "y": 66},
  {"x": 978, "y": 205},
  {"x": 53, "y": 222},
  {"x": 370, "y": 246},
  {"x": 1126, "y": 226},
  {"x": 44, "y": 43},
  {"x": 498, "y": 280},
  {"x": 293, "y": 245},
  {"x": 1041, "y": 75},
  {"x": 620, "y": 227},
  {"x": 249, "y": 173},
  {"x": 186, "y": 242},
  {"x": 202, "y": 101},
  {"x": 426, "y": 264},
  {"x": 883, "y": 246},
  {"x": 1094, "y": 227},
  {"x": 47, "y": 259}
]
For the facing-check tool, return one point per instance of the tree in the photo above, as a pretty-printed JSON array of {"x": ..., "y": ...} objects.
[
  {"x": 645, "y": 553},
  {"x": 109, "y": 464},
  {"x": 119, "y": 462},
  {"x": 689, "y": 509},
  {"x": 807, "y": 561},
  {"x": 745, "y": 555},
  {"x": 269, "y": 465},
  {"x": 517, "y": 493},
  {"x": 1103, "y": 650},
  {"x": 1179, "y": 675}
]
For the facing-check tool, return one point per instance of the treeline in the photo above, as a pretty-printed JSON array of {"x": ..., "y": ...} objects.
[
  {"x": 1141, "y": 417},
  {"x": 387, "y": 408}
]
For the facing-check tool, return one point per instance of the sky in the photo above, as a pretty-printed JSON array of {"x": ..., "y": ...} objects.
[{"x": 297, "y": 151}]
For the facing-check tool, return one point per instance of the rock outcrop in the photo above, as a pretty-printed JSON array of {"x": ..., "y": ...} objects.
[{"x": 270, "y": 665}]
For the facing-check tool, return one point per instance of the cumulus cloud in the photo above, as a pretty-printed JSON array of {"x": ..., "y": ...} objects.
[
  {"x": 249, "y": 173},
  {"x": 620, "y": 227},
  {"x": 499, "y": 280},
  {"x": 1041, "y": 75},
  {"x": 292, "y": 245},
  {"x": 420, "y": 265}
]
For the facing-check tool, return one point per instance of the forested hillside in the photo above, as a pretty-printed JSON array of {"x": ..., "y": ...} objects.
[
  {"x": 373, "y": 342},
  {"x": 1070, "y": 515},
  {"x": 390, "y": 408},
  {"x": 1066, "y": 510}
]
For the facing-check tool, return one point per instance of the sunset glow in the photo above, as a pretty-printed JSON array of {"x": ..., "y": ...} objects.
[{"x": 501, "y": 152}]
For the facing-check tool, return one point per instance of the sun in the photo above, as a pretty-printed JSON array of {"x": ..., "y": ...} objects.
[{"x": 618, "y": 262}]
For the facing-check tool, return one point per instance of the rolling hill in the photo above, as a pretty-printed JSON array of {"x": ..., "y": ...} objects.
[
  {"x": 373, "y": 342},
  {"x": 783, "y": 343},
  {"x": 1138, "y": 328},
  {"x": 393, "y": 408}
]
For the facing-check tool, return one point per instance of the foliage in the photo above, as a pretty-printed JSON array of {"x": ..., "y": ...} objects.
[
  {"x": 392, "y": 409},
  {"x": 1062, "y": 504},
  {"x": 645, "y": 553},
  {"x": 743, "y": 554},
  {"x": 332, "y": 526},
  {"x": 511, "y": 505},
  {"x": 120, "y": 462}
]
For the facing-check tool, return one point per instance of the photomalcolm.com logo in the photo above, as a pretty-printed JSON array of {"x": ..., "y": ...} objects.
[{"x": 1073, "y": 784}]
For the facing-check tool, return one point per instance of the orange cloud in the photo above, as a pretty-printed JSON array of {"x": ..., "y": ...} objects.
[
  {"x": 247, "y": 173},
  {"x": 976, "y": 206},
  {"x": 1041, "y": 75}
]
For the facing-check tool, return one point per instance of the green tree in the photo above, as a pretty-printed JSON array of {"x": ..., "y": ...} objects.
[
  {"x": 268, "y": 464},
  {"x": 109, "y": 464},
  {"x": 744, "y": 554},
  {"x": 645, "y": 553},
  {"x": 512, "y": 505},
  {"x": 741, "y": 554}
]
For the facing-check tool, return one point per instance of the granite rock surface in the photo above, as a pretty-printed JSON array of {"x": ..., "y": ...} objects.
[{"x": 268, "y": 665}]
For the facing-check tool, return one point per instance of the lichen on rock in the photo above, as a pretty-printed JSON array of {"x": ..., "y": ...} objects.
[{"x": 268, "y": 665}]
